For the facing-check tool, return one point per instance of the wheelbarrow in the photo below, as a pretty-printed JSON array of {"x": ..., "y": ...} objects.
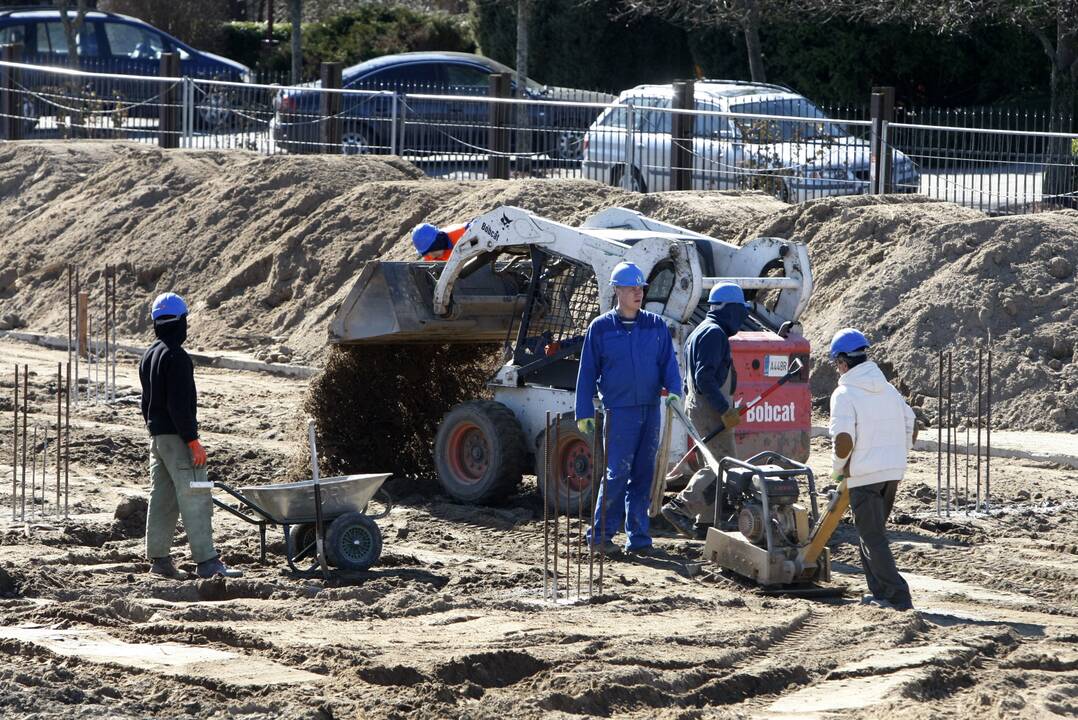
[{"x": 351, "y": 541}]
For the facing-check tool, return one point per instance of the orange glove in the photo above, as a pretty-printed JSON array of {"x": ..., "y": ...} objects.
[{"x": 198, "y": 453}]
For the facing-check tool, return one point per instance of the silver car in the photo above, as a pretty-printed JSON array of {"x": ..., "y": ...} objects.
[{"x": 745, "y": 135}]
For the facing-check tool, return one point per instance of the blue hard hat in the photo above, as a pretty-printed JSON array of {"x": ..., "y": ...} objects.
[
  {"x": 168, "y": 304},
  {"x": 848, "y": 341},
  {"x": 626, "y": 274},
  {"x": 727, "y": 293},
  {"x": 423, "y": 237}
]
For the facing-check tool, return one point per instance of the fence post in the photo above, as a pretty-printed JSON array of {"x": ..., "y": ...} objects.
[
  {"x": 887, "y": 156},
  {"x": 10, "y": 102},
  {"x": 875, "y": 142},
  {"x": 330, "y": 108},
  {"x": 393, "y": 126},
  {"x": 187, "y": 111},
  {"x": 630, "y": 147},
  {"x": 498, "y": 134},
  {"x": 168, "y": 128},
  {"x": 681, "y": 156}
]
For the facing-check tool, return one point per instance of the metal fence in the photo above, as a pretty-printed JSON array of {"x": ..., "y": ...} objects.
[{"x": 996, "y": 162}]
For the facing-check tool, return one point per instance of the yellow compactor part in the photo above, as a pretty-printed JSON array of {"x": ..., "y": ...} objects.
[{"x": 830, "y": 520}]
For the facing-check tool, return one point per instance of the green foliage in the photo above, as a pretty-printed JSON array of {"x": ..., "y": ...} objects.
[
  {"x": 578, "y": 45},
  {"x": 370, "y": 31},
  {"x": 841, "y": 62},
  {"x": 575, "y": 44}
]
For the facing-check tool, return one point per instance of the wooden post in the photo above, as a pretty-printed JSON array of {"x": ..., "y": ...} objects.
[
  {"x": 887, "y": 113},
  {"x": 11, "y": 100},
  {"x": 330, "y": 108},
  {"x": 168, "y": 130},
  {"x": 498, "y": 134},
  {"x": 875, "y": 143},
  {"x": 681, "y": 156}
]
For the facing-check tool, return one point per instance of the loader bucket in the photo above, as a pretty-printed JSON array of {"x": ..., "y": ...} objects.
[{"x": 392, "y": 302}]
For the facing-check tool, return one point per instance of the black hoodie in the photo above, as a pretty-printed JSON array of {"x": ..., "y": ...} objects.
[
  {"x": 168, "y": 383},
  {"x": 709, "y": 356}
]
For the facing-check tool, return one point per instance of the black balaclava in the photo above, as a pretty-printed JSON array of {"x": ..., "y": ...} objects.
[{"x": 171, "y": 330}]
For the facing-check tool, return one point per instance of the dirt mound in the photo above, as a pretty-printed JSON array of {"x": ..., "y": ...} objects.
[{"x": 920, "y": 276}]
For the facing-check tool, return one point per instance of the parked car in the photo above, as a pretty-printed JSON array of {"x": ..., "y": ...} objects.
[
  {"x": 433, "y": 126},
  {"x": 793, "y": 159},
  {"x": 108, "y": 42}
]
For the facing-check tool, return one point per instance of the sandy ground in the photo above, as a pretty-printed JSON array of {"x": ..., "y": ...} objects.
[{"x": 451, "y": 622}]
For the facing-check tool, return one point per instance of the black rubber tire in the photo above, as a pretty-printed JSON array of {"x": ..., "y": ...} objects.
[
  {"x": 496, "y": 456},
  {"x": 300, "y": 538},
  {"x": 353, "y": 542},
  {"x": 574, "y": 449}
]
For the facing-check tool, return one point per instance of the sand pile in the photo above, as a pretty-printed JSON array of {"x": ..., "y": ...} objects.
[
  {"x": 264, "y": 247},
  {"x": 922, "y": 276}
]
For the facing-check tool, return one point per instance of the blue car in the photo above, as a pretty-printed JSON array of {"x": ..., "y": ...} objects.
[
  {"x": 426, "y": 126},
  {"x": 108, "y": 42}
]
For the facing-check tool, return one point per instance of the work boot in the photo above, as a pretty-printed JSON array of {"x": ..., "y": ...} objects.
[
  {"x": 886, "y": 604},
  {"x": 676, "y": 514},
  {"x": 213, "y": 567},
  {"x": 607, "y": 547},
  {"x": 164, "y": 567}
]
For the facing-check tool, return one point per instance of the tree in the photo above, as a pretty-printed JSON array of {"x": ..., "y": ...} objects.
[
  {"x": 744, "y": 16},
  {"x": 1053, "y": 22},
  {"x": 296, "y": 9},
  {"x": 72, "y": 26}
]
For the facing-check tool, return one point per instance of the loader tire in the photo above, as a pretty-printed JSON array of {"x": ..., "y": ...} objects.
[
  {"x": 571, "y": 470},
  {"x": 480, "y": 452}
]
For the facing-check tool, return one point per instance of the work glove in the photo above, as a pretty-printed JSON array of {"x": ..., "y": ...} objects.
[
  {"x": 836, "y": 477},
  {"x": 731, "y": 419},
  {"x": 673, "y": 399},
  {"x": 198, "y": 453},
  {"x": 586, "y": 425}
]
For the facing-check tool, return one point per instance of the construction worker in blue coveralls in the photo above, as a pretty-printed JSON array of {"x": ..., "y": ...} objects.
[{"x": 629, "y": 356}]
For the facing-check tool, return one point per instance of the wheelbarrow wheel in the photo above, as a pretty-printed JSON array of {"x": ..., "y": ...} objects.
[
  {"x": 301, "y": 541},
  {"x": 353, "y": 542}
]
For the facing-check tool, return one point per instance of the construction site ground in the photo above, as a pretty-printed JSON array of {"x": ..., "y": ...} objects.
[{"x": 451, "y": 622}]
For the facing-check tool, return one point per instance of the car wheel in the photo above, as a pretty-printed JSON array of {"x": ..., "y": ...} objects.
[
  {"x": 31, "y": 115},
  {"x": 568, "y": 145},
  {"x": 638, "y": 184},
  {"x": 571, "y": 470},
  {"x": 357, "y": 140}
]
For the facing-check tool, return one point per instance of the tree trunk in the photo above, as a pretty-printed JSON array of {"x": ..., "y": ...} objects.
[
  {"x": 1061, "y": 176},
  {"x": 751, "y": 27},
  {"x": 297, "y": 41},
  {"x": 523, "y": 139}
]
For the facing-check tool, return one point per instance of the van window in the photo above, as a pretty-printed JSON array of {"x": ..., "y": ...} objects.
[
  {"x": 133, "y": 42},
  {"x": 13, "y": 34},
  {"x": 650, "y": 120},
  {"x": 711, "y": 126},
  {"x": 51, "y": 39}
]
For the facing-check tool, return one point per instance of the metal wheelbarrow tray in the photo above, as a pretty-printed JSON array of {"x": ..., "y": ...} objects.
[{"x": 354, "y": 541}]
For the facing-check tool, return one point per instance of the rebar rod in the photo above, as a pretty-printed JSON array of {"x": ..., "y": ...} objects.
[
  {"x": 600, "y": 428},
  {"x": 568, "y": 519},
  {"x": 25, "y": 412},
  {"x": 70, "y": 312},
  {"x": 593, "y": 492},
  {"x": 59, "y": 429},
  {"x": 950, "y": 420},
  {"x": 988, "y": 431},
  {"x": 67, "y": 441},
  {"x": 579, "y": 542},
  {"x": 115, "y": 353},
  {"x": 15, "y": 452},
  {"x": 33, "y": 472},
  {"x": 553, "y": 487},
  {"x": 980, "y": 408},
  {"x": 44, "y": 465},
  {"x": 967, "y": 467},
  {"x": 105, "y": 314},
  {"x": 78, "y": 333},
  {"x": 939, "y": 436},
  {"x": 545, "y": 495}
]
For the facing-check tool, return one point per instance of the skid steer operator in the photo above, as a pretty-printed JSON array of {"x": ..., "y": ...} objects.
[
  {"x": 179, "y": 484},
  {"x": 629, "y": 355},
  {"x": 873, "y": 429},
  {"x": 435, "y": 243},
  {"x": 709, "y": 391}
]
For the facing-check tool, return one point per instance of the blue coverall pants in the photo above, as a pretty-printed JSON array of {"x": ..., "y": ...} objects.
[{"x": 631, "y": 443}]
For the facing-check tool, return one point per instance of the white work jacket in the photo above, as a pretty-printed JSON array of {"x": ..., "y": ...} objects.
[{"x": 873, "y": 413}]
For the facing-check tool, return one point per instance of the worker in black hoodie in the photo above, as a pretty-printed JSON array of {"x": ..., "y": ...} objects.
[{"x": 179, "y": 483}]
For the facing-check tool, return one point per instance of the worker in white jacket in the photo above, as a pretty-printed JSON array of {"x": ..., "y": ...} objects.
[{"x": 872, "y": 430}]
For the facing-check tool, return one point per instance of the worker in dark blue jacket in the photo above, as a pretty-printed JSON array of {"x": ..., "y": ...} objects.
[
  {"x": 710, "y": 387},
  {"x": 629, "y": 356}
]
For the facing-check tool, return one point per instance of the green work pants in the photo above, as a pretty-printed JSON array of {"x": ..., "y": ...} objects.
[{"x": 171, "y": 496}]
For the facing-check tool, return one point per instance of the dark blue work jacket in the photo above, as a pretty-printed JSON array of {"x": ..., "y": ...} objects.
[{"x": 629, "y": 367}]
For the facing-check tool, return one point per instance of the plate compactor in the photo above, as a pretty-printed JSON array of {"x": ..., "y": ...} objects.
[{"x": 761, "y": 531}]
